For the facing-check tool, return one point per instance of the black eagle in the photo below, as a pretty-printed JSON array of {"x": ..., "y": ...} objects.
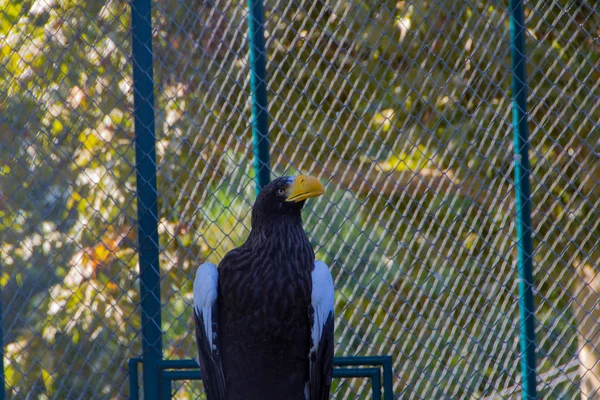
[{"x": 264, "y": 318}]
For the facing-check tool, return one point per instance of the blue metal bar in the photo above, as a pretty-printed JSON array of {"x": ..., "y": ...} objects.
[
  {"x": 368, "y": 360},
  {"x": 182, "y": 375},
  {"x": 373, "y": 373},
  {"x": 388, "y": 378},
  {"x": 258, "y": 82},
  {"x": 177, "y": 364},
  {"x": 523, "y": 200},
  {"x": 147, "y": 196},
  {"x": 376, "y": 383},
  {"x": 165, "y": 387},
  {"x": 134, "y": 387},
  {"x": 383, "y": 361},
  {"x": 194, "y": 374},
  {"x": 188, "y": 370}
]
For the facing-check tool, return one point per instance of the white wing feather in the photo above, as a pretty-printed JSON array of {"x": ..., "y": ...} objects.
[
  {"x": 322, "y": 300},
  {"x": 205, "y": 295}
]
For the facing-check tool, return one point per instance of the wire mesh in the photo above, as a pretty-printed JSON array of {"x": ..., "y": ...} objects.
[
  {"x": 182, "y": 389},
  {"x": 566, "y": 140},
  {"x": 69, "y": 288},
  {"x": 403, "y": 110}
]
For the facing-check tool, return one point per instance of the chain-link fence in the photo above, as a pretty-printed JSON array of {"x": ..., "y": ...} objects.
[{"x": 402, "y": 108}]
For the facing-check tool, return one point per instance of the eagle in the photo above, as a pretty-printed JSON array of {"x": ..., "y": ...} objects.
[{"x": 264, "y": 318}]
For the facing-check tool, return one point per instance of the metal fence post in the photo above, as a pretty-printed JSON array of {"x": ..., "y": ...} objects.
[
  {"x": 258, "y": 82},
  {"x": 523, "y": 200},
  {"x": 145, "y": 154}
]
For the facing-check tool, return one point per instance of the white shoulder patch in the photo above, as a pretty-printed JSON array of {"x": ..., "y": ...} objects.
[
  {"x": 205, "y": 295},
  {"x": 322, "y": 299}
]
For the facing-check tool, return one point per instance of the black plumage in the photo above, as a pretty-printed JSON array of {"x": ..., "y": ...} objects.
[{"x": 262, "y": 341}]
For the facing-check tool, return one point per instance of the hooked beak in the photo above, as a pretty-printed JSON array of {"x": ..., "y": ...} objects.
[{"x": 304, "y": 187}]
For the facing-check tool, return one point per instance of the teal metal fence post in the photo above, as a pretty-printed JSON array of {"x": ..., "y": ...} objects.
[
  {"x": 147, "y": 196},
  {"x": 523, "y": 200},
  {"x": 258, "y": 83},
  {"x": 132, "y": 369}
]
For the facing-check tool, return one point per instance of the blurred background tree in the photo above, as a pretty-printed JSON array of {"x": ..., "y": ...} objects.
[{"x": 403, "y": 108}]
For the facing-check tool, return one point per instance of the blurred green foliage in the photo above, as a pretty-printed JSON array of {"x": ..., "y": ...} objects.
[{"x": 403, "y": 108}]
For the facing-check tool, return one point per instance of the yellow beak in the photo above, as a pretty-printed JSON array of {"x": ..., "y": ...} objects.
[{"x": 304, "y": 187}]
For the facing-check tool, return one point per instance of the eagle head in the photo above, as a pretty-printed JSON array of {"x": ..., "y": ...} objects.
[{"x": 286, "y": 196}]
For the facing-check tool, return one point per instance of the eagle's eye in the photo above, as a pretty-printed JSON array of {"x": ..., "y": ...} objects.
[{"x": 280, "y": 191}]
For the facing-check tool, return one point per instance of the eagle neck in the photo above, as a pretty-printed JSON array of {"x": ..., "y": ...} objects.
[{"x": 280, "y": 233}]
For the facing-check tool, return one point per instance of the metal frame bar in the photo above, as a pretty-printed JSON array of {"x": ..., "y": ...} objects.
[
  {"x": 258, "y": 82},
  {"x": 132, "y": 369},
  {"x": 147, "y": 194},
  {"x": 170, "y": 370},
  {"x": 374, "y": 374},
  {"x": 523, "y": 200},
  {"x": 383, "y": 361}
]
